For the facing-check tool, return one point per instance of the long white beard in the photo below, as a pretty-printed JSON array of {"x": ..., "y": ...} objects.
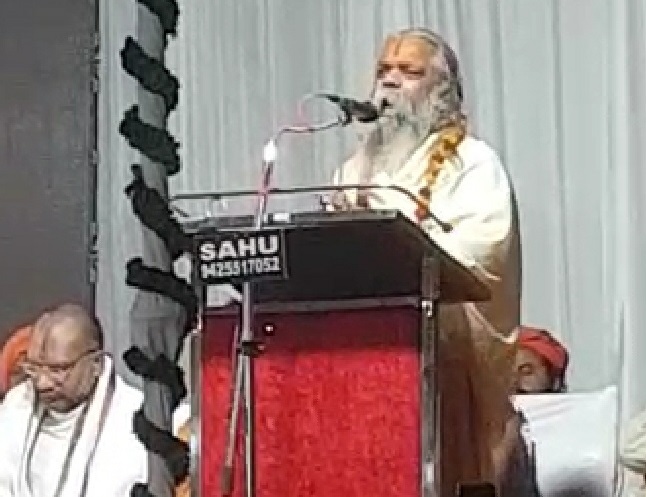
[
  {"x": 387, "y": 144},
  {"x": 387, "y": 147}
]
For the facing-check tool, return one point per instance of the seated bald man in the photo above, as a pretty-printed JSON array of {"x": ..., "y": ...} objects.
[
  {"x": 422, "y": 145},
  {"x": 67, "y": 431}
]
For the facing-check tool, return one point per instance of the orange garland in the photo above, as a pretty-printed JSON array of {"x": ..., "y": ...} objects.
[{"x": 444, "y": 147}]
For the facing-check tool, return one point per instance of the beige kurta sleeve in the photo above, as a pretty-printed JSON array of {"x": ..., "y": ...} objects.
[
  {"x": 633, "y": 444},
  {"x": 472, "y": 195},
  {"x": 475, "y": 199},
  {"x": 476, "y": 202}
]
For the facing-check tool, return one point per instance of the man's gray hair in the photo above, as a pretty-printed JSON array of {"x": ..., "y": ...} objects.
[{"x": 444, "y": 54}]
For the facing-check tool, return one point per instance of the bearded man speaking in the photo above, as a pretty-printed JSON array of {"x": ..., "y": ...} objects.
[{"x": 421, "y": 144}]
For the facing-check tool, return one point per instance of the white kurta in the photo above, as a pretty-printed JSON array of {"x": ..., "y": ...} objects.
[
  {"x": 472, "y": 193},
  {"x": 50, "y": 447},
  {"x": 119, "y": 462}
]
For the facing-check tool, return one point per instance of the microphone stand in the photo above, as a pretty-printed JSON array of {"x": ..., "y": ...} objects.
[{"x": 247, "y": 346}]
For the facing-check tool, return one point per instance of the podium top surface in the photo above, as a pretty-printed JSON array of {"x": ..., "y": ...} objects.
[{"x": 334, "y": 256}]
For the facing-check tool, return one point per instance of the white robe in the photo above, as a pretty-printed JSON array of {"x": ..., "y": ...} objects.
[
  {"x": 120, "y": 459},
  {"x": 472, "y": 193}
]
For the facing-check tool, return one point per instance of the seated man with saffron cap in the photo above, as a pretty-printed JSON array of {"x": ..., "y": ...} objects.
[
  {"x": 11, "y": 357},
  {"x": 541, "y": 362}
]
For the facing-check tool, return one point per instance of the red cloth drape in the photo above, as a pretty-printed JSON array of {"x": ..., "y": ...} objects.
[{"x": 337, "y": 405}]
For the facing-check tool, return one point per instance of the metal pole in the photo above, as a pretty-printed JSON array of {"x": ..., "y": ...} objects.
[
  {"x": 430, "y": 399},
  {"x": 246, "y": 351}
]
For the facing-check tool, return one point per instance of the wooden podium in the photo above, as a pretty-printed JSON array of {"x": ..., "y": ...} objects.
[{"x": 344, "y": 390}]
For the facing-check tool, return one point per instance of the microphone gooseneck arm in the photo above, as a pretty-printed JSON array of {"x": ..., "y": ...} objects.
[
  {"x": 270, "y": 152},
  {"x": 215, "y": 196},
  {"x": 363, "y": 112}
]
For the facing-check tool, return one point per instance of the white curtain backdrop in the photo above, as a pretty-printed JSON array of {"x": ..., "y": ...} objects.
[{"x": 557, "y": 87}]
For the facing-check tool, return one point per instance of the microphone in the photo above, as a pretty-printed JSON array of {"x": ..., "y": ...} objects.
[{"x": 364, "y": 112}]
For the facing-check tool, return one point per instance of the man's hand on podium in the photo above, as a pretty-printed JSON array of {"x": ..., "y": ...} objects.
[
  {"x": 377, "y": 198},
  {"x": 337, "y": 202}
]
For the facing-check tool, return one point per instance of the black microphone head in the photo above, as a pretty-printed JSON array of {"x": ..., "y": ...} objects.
[
  {"x": 384, "y": 104},
  {"x": 370, "y": 112},
  {"x": 366, "y": 112}
]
